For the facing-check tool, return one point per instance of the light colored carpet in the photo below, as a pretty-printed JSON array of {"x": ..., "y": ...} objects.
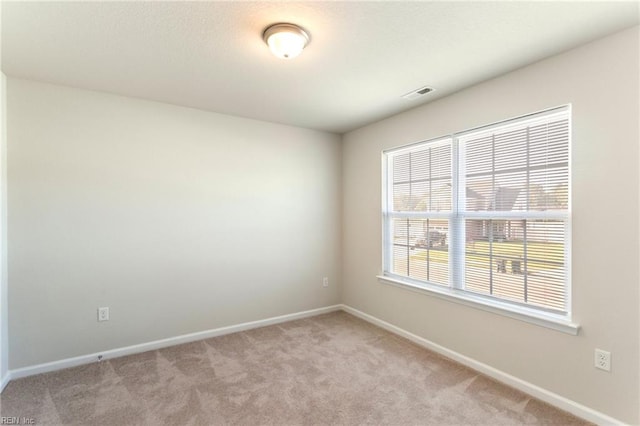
[{"x": 329, "y": 369}]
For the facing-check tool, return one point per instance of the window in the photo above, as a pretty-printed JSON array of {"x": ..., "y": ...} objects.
[{"x": 483, "y": 215}]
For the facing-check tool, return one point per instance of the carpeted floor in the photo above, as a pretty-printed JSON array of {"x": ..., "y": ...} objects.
[{"x": 329, "y": 369}]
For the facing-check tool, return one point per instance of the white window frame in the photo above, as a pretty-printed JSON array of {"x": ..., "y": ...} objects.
[{"x": 455, "y": 292}]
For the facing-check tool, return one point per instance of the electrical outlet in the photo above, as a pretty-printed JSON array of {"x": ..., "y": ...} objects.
[
  {"x": 103, "y": 314},
  {"x": 603, "y": 360},
  {"x": 325, "y": 282}
]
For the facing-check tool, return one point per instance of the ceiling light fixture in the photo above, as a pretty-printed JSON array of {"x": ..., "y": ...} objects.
[{"x": 285, "y": 40}]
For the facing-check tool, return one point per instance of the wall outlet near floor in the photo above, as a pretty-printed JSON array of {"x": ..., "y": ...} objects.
[
  {"x": 603, "y": 360},
  {"x": 325, "y": 282},
  {"x": 103, "y": 314}
]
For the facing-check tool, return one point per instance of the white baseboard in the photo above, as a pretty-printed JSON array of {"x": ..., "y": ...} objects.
[
  {"x": 5, "y": 381},
  {"x": 158, "y": 344},
  {"x": 522, "y": 385}
]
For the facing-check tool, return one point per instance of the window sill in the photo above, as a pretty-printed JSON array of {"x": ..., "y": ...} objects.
[{"x": 554, "y": 322}]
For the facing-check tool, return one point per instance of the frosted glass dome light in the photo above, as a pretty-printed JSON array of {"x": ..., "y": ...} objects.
[{"x": 286, "y": 41}]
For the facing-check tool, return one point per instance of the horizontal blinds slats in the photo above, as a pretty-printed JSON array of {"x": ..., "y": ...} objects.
[
  {"x": 422, "y": 179},
  {"x": 521, "y": 260},
  {"x": 512, "y": 210},
  {"x": 520, "y": 170},
  {"x": 420, "y": 249},
  {"x": 506, "y": 126}
]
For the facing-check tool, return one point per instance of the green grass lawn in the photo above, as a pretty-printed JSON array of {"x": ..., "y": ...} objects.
[{"x": 546, "y": 256}]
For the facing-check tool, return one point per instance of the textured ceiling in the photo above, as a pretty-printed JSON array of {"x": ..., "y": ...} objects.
[{"x": 362, "y": 57}]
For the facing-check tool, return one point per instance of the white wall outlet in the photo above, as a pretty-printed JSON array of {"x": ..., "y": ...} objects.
[
  {"x": 603, "y": 360},
  {"x": 325, "y": 282},
  {"x": 103, "y": 314}
]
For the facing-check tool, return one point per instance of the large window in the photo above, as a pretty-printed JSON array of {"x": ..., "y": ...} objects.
[{"x": 484, "y": 214}]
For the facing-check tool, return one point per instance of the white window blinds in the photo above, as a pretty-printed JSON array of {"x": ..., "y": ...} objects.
[
  {"x": 516, "y": 180},
  {"x": 484, "y": 212},
  {"x": 421, "y": 201}
]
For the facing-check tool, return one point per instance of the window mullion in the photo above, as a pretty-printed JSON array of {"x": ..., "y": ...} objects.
[
  {"x": 408, "y": 248},
  {"x": 387, "y": 206},
  {"x": 525, "y": 261},
  {"x": 491, "y": 223},
  {"x": 456, "y": 221}
]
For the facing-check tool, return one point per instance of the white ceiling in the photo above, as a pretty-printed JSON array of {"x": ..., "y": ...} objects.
[{"x": 362, "y": 57}]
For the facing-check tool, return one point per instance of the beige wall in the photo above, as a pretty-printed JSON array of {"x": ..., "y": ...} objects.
[
  {"x": 4, "y": 323},
  {"x": 600, "y": 80},
  {"x": 179, "y": 220}
]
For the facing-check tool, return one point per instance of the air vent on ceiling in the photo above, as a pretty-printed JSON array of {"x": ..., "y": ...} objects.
[{"x": 417, "y": 93}]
